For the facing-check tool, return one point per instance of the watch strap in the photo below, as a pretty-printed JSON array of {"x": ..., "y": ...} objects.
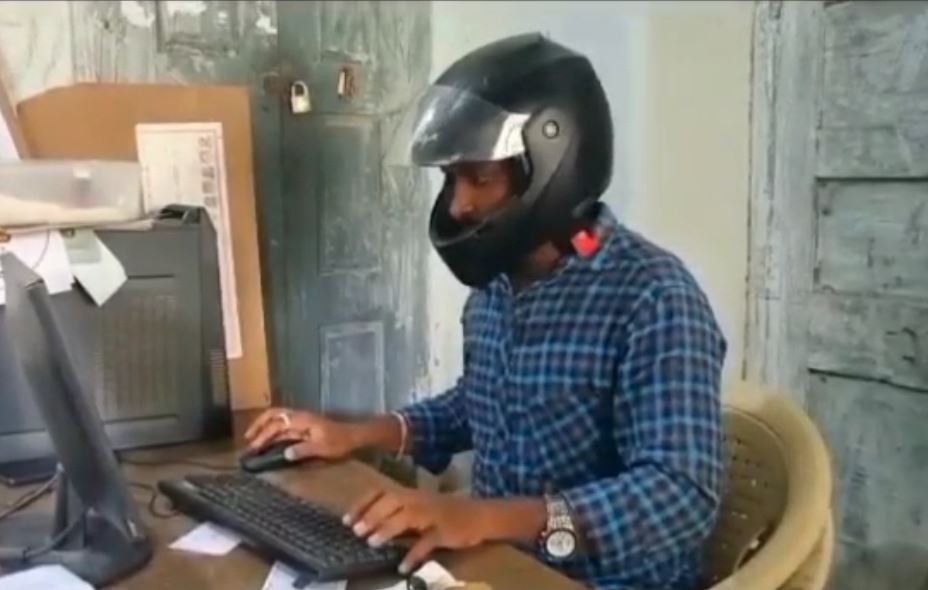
[{"x": 558, "y": 514}]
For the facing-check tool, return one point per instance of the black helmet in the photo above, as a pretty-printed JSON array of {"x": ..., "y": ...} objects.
[{"x": 523, "y": 97}]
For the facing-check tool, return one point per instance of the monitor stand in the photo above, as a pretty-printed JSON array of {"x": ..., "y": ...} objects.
[
  {"x": 27, "y": 471},
  {"x": 84, "y": 542}
]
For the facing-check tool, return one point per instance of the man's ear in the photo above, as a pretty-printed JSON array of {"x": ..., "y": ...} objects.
[{"x": 518, "y": 175}]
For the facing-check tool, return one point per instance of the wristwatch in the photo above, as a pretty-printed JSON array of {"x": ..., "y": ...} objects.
[{"x": 559, "y": 538}]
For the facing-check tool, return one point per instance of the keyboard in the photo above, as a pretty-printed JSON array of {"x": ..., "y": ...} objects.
[{"x": 306, "y": 536}]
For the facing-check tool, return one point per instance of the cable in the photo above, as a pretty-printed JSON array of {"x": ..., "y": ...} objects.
[
  {"x": 50, "y": 545},
  {"x": 34, "y": 265},
  {"x": 29, "y": 498},
  {"x": 190, "y": 462},
  {"x": 31, "y": 552},
  {"x": 152, "y": 501}
]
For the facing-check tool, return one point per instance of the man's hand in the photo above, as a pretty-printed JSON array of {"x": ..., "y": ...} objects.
[
  {"x": 440, "y": 521},
  {"x": 321, "y": 437}
]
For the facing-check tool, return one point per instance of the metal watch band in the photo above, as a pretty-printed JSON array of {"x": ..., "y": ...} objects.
[{"x": 558, "y": 514}]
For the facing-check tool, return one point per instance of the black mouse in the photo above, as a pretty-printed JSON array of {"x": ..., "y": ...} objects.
[{"x": 270, "y": 457}]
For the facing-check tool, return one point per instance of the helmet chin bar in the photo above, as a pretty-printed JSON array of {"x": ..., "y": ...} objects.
[{"x": 476, "y": 254}]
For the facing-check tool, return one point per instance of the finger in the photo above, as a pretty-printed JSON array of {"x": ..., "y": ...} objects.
[
  {"x": 284, "y": 433},
  {"x": 361, "y": 506},
  {"x": 265, "y": 435},
  {"x": 260, "y": 421},
  {"x": 390, "y": 528},
  {"x": 268, "y": 433},
  {"x": 273, "y": 434},
  {"x": 376, "y": 514},
  {"x": 420, "y": 550},
  {"x": 297, "y": 452}
]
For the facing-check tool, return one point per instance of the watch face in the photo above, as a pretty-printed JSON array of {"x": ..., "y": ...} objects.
[{"x": 561, "y": 544}]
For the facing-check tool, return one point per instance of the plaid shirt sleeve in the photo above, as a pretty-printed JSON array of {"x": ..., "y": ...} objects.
[
  {"x": 668, "y": 422},
  {"x": 438, "y": 428}
]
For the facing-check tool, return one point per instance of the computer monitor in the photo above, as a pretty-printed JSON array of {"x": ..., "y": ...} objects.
[
  {"x": 169, "y": 386},
  {"x": 96, "y": 531}
]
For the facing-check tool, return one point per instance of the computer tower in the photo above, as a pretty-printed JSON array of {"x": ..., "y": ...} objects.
[{"x": 153, "y": 356}]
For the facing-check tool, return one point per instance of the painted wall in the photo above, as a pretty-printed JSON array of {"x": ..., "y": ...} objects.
[{"x": 678, "y": 77}]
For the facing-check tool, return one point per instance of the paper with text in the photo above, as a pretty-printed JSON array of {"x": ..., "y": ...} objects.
[
  {"x": 184, "y": 164},
  {"x": 208, "y": 539},
  {"x": 43, "y": 252}
]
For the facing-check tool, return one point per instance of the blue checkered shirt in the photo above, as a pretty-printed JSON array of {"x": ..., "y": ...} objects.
[{"x": 600, "y": 382}]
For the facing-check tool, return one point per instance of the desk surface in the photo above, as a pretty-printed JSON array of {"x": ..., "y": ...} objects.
[{"x": 333, "y": 484}]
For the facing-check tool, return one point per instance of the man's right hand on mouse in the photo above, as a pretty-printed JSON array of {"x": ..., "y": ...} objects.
[{"x": 320, "y": 437}]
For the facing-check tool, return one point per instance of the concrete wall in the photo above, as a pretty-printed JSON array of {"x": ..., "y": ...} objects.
[{"x": 678, "y": 78}]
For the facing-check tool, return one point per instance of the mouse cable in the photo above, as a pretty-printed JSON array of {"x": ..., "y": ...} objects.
[
  {"x": 51, "y": 544},
  {"x": 153, "y": 499},
  {"x": 29, "y": 498}
]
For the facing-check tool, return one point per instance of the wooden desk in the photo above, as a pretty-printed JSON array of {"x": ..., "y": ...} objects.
[{"x": 335, "y": 485}]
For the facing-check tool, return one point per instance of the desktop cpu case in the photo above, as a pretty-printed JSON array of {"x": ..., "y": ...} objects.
[{"x": 152, "y": 356}]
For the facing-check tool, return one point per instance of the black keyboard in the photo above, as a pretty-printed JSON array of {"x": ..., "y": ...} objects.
[{"x": 306, "y": 536}]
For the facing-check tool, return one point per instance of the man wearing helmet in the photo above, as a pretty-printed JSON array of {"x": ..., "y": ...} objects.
[{"x": 592, "y": 359}]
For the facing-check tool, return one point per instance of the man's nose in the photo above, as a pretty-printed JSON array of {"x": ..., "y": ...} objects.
[{"x": 462, "y": 204}]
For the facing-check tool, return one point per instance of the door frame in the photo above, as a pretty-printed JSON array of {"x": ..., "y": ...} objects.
[{"x": 787, "y": 69}]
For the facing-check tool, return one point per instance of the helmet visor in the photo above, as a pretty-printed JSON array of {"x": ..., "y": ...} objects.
[{"x": 445, "y": 125}]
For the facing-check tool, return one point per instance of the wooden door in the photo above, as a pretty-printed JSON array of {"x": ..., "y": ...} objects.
[
  {"x": 839, "y": 268},
  {"x": 344, "y": 240}
]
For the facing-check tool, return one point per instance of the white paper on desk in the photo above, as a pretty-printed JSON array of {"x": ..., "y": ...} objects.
[
  {"x": 433, "y": 574},
  {"x": 94, "y": 266},
  {"x": 44, "y": 252},
  {"x": 46, "y": 577},
  {"x": 185, "y": 164},
  {"x": 436, "y": 576},
  {"x": 283, "y": 577},
  {"x": 208, "y": 539}
]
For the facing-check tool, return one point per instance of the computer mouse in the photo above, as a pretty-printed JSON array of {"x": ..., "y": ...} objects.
[{"x": 268, "y": 458}]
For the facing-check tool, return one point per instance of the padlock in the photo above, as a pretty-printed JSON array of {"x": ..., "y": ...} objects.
[{"x": 299, "y": 98}]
